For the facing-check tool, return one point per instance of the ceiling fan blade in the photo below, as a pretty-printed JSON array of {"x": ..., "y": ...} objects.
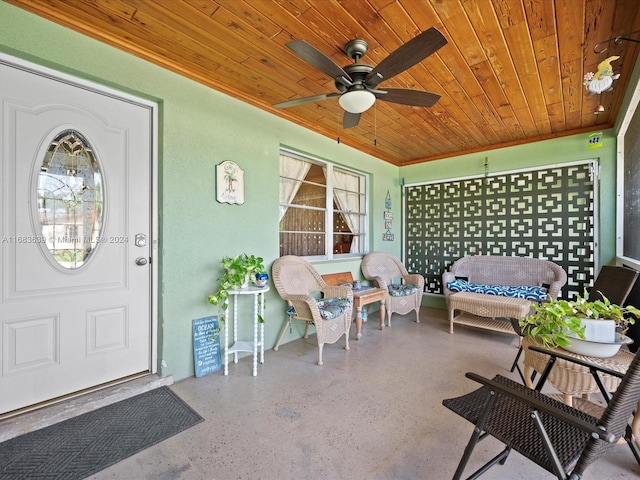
[
  {"x": 316, "y": 58},
  {"x": 406, "y": 96},
  {"x": 412, "y": 52},
  {"x": 350, "y": 119},
  {"x": 302, "y": 101}
]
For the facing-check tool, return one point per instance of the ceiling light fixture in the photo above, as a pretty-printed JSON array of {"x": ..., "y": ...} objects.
[
  {"x": 357, "y": 101},
  {"x": 599, "y": 109}
]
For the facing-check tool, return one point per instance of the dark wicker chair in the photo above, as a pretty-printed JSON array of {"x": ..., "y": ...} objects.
[
  {"x": 615, "y": 283},
  {"x": 561, "y": 439},
  {"x": 515, "y": 323}
]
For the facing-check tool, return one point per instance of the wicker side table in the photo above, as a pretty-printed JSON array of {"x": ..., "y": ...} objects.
[{"x": 573, "y": 380}]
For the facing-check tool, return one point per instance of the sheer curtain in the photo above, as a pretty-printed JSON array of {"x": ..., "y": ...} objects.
[
  {"x": 292, "y": 172},
  {"x": 347, "y": 195}
]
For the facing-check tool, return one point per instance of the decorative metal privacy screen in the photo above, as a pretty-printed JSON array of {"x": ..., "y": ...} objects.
[{"x": 546, "y": 214}]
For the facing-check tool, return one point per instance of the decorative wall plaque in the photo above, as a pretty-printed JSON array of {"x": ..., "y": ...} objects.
[
  {"x": 229, "y": 183},
  {"x": 387, "y": 236}
]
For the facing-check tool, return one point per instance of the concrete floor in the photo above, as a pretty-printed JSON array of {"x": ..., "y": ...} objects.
[{"x": 373, "y": 412}]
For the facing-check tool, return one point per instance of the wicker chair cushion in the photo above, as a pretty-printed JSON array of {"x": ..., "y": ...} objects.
[
  {"x": 330, "y": 308},
  {"x": 403, "y": 290},
  {"x": 521, "y": 291}
]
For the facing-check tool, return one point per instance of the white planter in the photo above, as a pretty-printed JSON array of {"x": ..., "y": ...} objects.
[
  {"x": 600, "y": 339},
  {"x": 599, "y": 330},
  {"x": 598, "y": 349}
]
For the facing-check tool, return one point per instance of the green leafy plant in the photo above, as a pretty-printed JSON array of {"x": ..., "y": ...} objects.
[
  {"x": 238, "y": 271},
  {"x": 553, "y": 322}
]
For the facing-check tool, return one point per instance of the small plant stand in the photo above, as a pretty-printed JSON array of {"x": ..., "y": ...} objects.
[{"x": 245, "y": 346}]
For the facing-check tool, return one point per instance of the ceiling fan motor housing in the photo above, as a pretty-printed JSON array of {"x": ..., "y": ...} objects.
[{"x": 358, "y": 73}]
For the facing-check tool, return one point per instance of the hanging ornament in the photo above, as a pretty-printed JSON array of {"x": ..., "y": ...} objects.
[{"x": 602, "y": 80}]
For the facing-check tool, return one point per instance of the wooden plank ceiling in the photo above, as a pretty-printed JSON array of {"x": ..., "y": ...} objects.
[{"x": 511, "y": 72}]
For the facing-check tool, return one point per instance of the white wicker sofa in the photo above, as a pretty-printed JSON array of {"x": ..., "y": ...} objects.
[{"x": 494, "y": 311}]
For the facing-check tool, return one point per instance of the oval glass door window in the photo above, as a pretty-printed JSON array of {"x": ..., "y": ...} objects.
[{"x": 70, "y": 200}]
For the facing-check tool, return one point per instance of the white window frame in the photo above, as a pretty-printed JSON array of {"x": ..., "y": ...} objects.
[{"x": 363, "y": 236}]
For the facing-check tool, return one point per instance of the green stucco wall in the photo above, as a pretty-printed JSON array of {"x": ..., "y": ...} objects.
[{"x": 199, "y": 128}]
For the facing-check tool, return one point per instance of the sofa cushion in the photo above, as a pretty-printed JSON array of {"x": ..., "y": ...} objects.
[
  {"x": 403, "y": 290},
  {"x": 520, "y": 291}
]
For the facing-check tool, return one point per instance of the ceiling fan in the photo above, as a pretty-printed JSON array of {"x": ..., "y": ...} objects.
[{"x": 357, "y": 82}]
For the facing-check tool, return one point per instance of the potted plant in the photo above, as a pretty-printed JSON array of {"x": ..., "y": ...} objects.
[
  {"x": 239, "y": 271},
  {"x": 571, "y": 323}
]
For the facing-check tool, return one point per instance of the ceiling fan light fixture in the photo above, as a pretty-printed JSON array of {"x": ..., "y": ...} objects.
[{"x": 357, "y": 101}]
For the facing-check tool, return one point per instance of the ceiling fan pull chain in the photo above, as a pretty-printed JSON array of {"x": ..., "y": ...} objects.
[{"x": 375, "y": 125}]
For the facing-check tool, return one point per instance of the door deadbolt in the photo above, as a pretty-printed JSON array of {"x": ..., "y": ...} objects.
[{"x": 140, "y": 240}]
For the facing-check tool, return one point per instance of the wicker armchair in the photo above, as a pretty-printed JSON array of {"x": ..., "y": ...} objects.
[
  {"x": 561, "y": 439},
  {"x": 296, "y": 282},
  {"x": 383, "y": 269}
]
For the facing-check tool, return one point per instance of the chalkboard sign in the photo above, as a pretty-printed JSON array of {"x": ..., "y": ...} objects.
[{"x": 206, "y": 352}]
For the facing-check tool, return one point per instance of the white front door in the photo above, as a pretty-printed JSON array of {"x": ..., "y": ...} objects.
[{"x": 75, "y": 227}]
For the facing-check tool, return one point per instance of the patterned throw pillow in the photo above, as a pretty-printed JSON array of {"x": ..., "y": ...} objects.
[
  {"x": 458, "y": 285},
  {"x": 404, "y": 290},
  {"x": 520, "y": 291}
]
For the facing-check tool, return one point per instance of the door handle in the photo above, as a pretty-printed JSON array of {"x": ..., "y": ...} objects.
[{"x": 141, "y": 261}]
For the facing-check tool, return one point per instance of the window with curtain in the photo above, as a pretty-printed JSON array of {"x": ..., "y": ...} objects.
[{"x": 322, "y": 208}]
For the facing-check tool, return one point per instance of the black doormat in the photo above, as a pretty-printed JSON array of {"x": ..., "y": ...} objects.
[{"x": 83, "y": 445}]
